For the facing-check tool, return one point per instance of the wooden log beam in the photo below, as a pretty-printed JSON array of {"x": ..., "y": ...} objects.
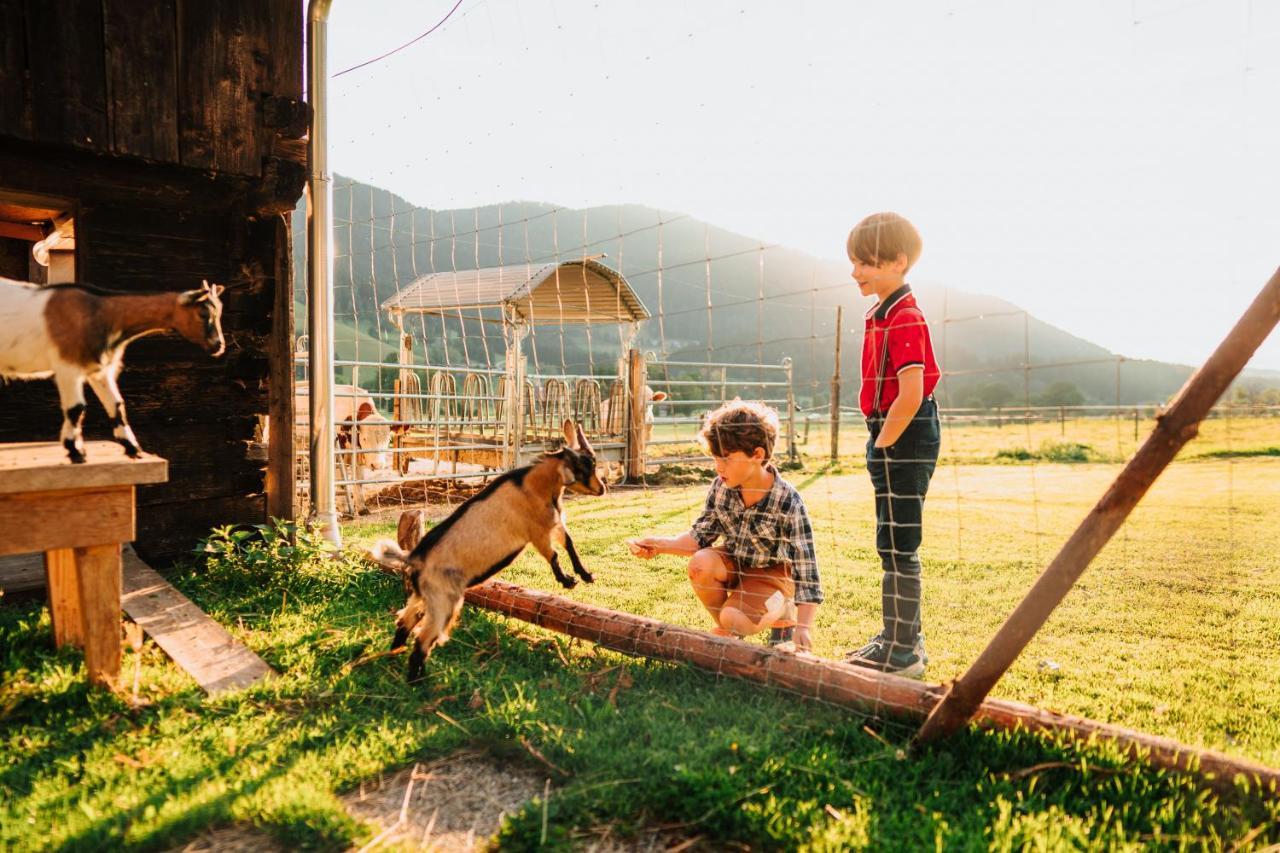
[
  {"x": 860, "y": 689},
  {"x": 1174, "y": 428}
]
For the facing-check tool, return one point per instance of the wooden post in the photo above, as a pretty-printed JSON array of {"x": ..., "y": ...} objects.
[
  {"x": 835, "y": 387},
  {"x": 635, "y": 415},
  {"x": 64, "y": 597},
  {"x": 1178, "y": 425},
  {"x": 98, "y": 570},
  {"x": 281, "y": 487},
  {"x": 1062, "y": 420},
  {"x": 792, "y": 453}
]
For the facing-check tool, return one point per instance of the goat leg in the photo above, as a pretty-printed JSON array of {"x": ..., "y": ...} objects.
[
  {"x": 417, "y": 669},
  {"x": 70, "y": 384},
  {"x": 104, "y": 385},
  {"x": 566, "y": 581},
  {"x": 578, "y": 568}
]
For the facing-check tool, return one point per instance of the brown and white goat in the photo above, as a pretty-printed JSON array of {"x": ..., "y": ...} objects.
[
  {"x": 484, "y": 536},
  {"x": 74, "y": 333}
]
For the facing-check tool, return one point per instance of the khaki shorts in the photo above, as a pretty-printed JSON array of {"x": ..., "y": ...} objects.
[{"x": 749, "y": 589}]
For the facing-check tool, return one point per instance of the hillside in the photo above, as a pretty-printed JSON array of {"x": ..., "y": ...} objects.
[{"x": 766, "y": 302}]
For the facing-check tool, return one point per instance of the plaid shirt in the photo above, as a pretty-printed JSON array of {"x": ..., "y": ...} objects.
[{"x": 775, "y": 529}]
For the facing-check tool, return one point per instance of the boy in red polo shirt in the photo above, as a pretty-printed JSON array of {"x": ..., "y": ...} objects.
[{"x": 899, "y": 373}]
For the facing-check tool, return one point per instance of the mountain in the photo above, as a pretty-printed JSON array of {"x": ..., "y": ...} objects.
[{"x": 767, "y": 303}]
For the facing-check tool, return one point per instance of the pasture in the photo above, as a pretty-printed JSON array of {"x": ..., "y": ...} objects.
[{"x": 1172, "y": 631}]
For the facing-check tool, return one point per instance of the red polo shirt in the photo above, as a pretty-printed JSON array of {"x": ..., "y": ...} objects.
[{"x": 897, "y": 333}]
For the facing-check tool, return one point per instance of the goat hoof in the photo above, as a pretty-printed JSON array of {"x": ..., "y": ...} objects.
[
  {"x": 133, "y": 451},
  {"x": 568, "y": 583},
  {"x": 416, "y": 671},
  {"x": 75, "y": 453},
  {"x": 587, "y": 577}
]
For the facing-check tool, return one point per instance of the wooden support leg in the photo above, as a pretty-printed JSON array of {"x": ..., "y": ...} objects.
[
  {"x": 64, "y": 597},
  {"x": 98, "y": 578}
]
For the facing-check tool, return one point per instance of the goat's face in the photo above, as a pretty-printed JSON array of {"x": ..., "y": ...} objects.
[
  {"x": 579, "y": 462},
  {"x": 199, "y": 318}
]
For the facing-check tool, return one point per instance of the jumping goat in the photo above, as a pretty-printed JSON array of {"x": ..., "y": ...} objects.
[
  {"x": 485, "y": 535},
  {"x": 75, "y": 333}
]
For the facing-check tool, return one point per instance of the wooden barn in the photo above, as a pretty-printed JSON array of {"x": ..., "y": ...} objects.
[{"x": 147, "y": 146}]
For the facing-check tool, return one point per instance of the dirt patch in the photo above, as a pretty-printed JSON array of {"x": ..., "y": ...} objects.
[
  {"x": 456, "y": 803},
  {"x": 232, "y": 839},
  {"x": 453, "y": 804}
]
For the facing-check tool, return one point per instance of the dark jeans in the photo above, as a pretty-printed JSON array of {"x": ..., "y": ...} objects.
[{"x": 900, "y": 475}]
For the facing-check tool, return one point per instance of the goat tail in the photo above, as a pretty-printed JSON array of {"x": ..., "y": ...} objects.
[{"x": 390, "y": 556}]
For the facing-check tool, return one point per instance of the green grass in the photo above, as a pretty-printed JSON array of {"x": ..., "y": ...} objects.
[{"x": 1172, "y": 631}]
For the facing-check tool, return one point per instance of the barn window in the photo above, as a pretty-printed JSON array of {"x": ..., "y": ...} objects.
[{"x": 37, "y": 238}]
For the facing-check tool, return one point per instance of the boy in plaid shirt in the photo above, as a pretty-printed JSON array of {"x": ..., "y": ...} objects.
[{"x": 763, "y": 574}]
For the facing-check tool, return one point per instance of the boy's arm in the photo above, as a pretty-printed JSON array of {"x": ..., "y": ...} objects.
[
  {"x": 650, "y": 546},
  {"x": 904, "y": 407}
]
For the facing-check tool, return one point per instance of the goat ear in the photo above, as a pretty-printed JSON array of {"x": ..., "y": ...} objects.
[
  {"x": 583, "y": 444},
  {"x": 191, "y": 297},
  {"x": 566, "y": 475},
  {"x": 570, "y": 434},
  {"x": 659, "y": 396},
  {"x": 217, "y": 289},
  {"x": 365, "y": 411}
]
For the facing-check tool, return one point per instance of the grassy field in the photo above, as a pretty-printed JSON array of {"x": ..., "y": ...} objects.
[{"x": 1173, "y": 631}]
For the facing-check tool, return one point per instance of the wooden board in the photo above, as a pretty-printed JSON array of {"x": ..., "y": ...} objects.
[
  {"x": 186, "y": 633},
  {"x": 15, "y": 85},
  {"x": 64, "y": 52},
  {"x": 142, "y": 78},
  {"x": 42, "y": 466},
  {"x": 40, "y": 521},
  {"x": 21, "y": 574},
  {"x": 219, "y": 84}
]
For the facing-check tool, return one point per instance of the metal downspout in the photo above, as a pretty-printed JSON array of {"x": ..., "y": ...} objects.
[{"x": 320, "y": 275}]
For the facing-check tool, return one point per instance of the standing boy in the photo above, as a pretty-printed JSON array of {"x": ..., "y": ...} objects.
[
  {"x": 899, "y": 373},
  {"x": 763, "y": 573}
]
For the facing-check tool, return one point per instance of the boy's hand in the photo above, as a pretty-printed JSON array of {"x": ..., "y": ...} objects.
[
  {"x": 645, "y": 549},
  {"x": 803, "y": 641}
]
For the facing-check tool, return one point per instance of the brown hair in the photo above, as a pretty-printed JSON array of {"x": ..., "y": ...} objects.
[
  {"x": 882, "y": 237},
  {"x": 740, "y": 425}
]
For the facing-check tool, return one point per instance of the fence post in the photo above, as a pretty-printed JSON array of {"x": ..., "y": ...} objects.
[
  {"x": 792, "y": 453},
  {"x": 635, "y": 415},
  {"x": 835, "y": 387},
  {"x": 1178, "y": 425},
  {"x": 1062, "y": 420}
]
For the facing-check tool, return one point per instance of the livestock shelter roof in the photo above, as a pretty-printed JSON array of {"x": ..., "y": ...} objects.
[{"x": 580, "y": 291}]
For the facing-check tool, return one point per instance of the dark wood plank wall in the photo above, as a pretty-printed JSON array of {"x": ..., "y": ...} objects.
[
  {"x": 173, "y": 81},
  {"x": 142, "y": 78},
  {"x": 151, "y": 116}
]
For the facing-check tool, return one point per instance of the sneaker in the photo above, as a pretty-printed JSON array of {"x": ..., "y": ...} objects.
[{"x": 885, "y": 656}]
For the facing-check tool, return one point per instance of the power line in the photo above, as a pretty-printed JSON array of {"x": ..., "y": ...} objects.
[{"x": 412, "y": 41}]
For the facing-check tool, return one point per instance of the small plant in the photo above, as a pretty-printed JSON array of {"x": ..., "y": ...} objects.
[
  {"x": 264, "y": 548},
  {"x": 1051, "y": 451},
  {"x": 1068, "y": 451}
]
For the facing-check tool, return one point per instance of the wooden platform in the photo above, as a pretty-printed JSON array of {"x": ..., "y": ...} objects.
[{"x": 187, "y": 634}]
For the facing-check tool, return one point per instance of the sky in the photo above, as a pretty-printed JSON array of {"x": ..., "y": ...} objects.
[{"x": 1109, "y": 165}]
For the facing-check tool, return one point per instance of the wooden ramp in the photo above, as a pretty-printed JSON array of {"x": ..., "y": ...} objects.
[{"x": 186, "y": 633}]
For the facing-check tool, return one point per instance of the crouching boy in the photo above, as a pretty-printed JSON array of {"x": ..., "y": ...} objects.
[{"x": 752, "y": 561}]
